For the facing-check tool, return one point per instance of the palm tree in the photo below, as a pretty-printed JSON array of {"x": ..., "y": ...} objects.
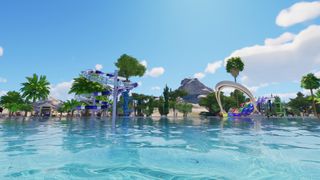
[
  {"x": 36, "y": 88},
  {"x": 234, "y": 66},
  {"x": 12, "y": 101},
  {"x": 81, "y": 85},
  {"x": 311, "y": 82},
  {"x": 70, "y": 105}
]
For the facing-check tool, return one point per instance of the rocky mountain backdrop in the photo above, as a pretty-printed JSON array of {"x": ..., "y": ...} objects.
[{"x": 195, "y": 89}]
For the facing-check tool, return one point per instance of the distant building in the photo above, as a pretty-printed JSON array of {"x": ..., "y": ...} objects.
[{"x": 47, "y": 107}]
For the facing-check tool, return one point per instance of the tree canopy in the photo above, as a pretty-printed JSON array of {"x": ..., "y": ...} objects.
[
  {"x": 36, "y": 88},
  {"x": 81, "y": 85},
  {"x": 234, "y": 66},
  {"x": 130, "y": 66},
  {"x": 311, "y": 82}
]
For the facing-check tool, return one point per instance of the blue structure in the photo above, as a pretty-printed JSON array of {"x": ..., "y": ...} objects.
[{"x": 119, "y": 86}]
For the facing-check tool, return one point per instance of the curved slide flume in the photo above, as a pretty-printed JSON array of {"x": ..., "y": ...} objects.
[{"x": 229, "y": 84}]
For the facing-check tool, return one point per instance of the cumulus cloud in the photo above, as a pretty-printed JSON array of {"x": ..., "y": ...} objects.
[
  {"x": 199, "y": 75},
  {"x": 1, "y": 51},
  {"x": 60, "y": 91},
  {"x": 254, "y": 89},
  {"x": 212, "y": 67},
  {"x": 298, "y": 13},
  {"x": 155, "y": 72},
  {"x": 3, "y": 80},
  {"x": 155, "y": 88},
  {"x": 282, "y": 39},
  {"x": 98, "y": 67},
  {"x": 282, "y": 62}
]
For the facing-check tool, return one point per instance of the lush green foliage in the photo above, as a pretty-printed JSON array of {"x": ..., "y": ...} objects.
[
  {"x": 234, "y": 66},
  {"x": 299, "y": 104},
  {"x": 166, "y": 105},
  {"x": 211, "y": 104},
  {"x": 173, "y": 98},
  {"x": 184, "y": 108},
  {"x": 81, "y": 85},
  {"x": 130, "y": 66},
  {"x": 161, "y": 106},
  {"x": 140, "y": 106},
  {"x": 69, "y": 106},
  {"x": 311, "y": 82},
  {"x": 36, "y": 88},
  {"x": 14, "y": 102}
]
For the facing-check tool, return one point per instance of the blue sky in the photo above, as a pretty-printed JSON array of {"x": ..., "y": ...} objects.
[{"x": 61, "y": 38}]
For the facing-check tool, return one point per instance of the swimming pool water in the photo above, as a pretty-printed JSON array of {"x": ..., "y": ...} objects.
[{"x": 160, "y": 149}]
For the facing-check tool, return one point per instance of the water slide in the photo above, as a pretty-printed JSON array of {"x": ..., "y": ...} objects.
[{"x": 230, "y": 84}]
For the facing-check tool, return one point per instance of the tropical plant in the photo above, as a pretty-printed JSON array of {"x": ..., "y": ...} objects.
[
  {"x": 70, "y": 105},
  {"x": 234, "y": 66},
  {"x": 173, "y": 98},
  {"x": 150, "y": 106},
  {"x": 130, "y": 66},
  {"x": 311, "y": 82},
  {"x": 141, "y": 106},
  {"x": 210, "y": 103},
  {"x": 166, "y": 100},
  {"x": 184, "y": 108},
  {"x": 12, "y": 101},
  {"x": 317, "y": 98},
  {"x": 26, "y": 107},
  {"x": 81, "y": 85},
  {"x": 36, "y": 88},
  {"x": 299, "y": 104},
  {"x": 161, "y": 106}
]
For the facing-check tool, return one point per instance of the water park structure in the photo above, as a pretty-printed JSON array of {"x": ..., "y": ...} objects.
[
  {"x": 247, "y": 109},
  {"x": 118, "y": 86}
]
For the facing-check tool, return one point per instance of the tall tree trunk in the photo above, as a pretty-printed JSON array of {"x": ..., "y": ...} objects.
[
  {"x": 25, "y": 113},
  {"x": 314, "y": 105}
]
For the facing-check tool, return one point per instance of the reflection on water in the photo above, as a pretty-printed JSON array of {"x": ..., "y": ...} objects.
[{"x": 160, "y": 148}]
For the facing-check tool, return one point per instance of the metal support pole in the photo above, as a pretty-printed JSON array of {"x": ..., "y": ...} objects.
[{"x": 115, "y": 98}]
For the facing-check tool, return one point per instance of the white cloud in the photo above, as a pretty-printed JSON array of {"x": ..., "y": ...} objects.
[
  {"x": 155, "y": 72},
  {"x": 145, "y": 63},
  {"x": 3, "y": 92},
  {"x": 298, "y": 13},
  {"x": 156, "y": 88},
  {"x": 98, "y": 67},
  {"x": 254, "y": 89},
  {"x": 139, "y": 83},
  {"x": 199, "y": 75},
  {"x": 282, "y": 62},
  {"x": 60, "y": 91},
  {"x": 317, "y": 74},
  {"x": 1, "y": 51},
  {"x": 212, "y": 67},
  {"x": 3, "y": 80},
  {"x": 282, "y": 39}
]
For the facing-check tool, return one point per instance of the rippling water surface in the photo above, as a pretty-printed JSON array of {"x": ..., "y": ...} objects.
[{"x": 160, "y": 149}]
